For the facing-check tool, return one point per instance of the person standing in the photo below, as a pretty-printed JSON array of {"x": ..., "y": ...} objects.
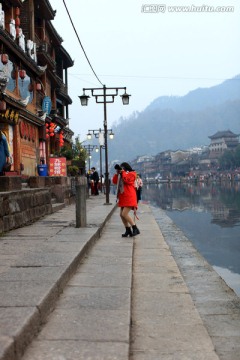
[
  {"x": 139, "y": 188},
  {"x": 4, "y": 152},
  {"x": 125, "y": 179},
  {"x": 102, "y": 183},
  {"x": 95, "y": 179}
]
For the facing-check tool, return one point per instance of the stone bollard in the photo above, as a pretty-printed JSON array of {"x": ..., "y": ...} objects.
[{"x": 81, "y": 206}]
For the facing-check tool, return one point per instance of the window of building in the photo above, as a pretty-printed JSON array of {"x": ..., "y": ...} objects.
[
  {"x": 9, "y": 70},
  {"x": 25, "y": 87},
  {"x": 18, "y": 81}
]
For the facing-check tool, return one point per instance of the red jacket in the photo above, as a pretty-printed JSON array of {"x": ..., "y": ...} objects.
[{"x": 128, "y": 197}]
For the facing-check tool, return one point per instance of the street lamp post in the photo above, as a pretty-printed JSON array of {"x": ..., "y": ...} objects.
[
  {"x": 97, "y": 133},
  {"x": 101, "y": 147},
  {"x": 89, "y": 149},
  {"x": 100, "y": 136},
  {"x": 103, "y": 96}
]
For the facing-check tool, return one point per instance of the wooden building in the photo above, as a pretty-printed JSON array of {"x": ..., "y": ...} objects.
[
  {"x": 34, "y": 96},
  {"x": 221, "y": 141}
]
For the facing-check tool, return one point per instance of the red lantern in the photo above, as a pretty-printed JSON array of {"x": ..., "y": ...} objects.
[
  {"x": 17, "y": 11},
  {"x": 51, "y": 129},
  {"x": 61, "y": 140},
  {"x": 17, "y": 22},
  {"x": 22, "y": 74},
  {"x": 4, "y": 59}
]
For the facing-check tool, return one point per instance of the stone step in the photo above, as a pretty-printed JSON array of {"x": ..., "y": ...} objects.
[
  {"x": 53, "y": 200},
  {"x": 57, "y": 206}
]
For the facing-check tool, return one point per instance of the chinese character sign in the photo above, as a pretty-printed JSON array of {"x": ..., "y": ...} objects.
[{"x": 58, "y": 167}]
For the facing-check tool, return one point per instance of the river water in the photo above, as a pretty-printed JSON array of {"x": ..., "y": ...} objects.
[{"x": 209, "y": 215}]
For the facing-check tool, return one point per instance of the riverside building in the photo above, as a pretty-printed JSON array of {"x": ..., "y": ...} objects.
[{"x": 34, "y": 100}]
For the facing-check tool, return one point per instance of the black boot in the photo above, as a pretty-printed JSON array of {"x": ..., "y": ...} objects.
[
  {"x": 128, "y": 232},
  {"x": 135, "y": 230}
]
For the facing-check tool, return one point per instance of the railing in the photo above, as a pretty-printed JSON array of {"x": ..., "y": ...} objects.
[{"x": 45, "y": 49}]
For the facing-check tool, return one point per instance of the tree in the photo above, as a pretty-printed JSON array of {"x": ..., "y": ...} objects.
[
  {"x": 230, "y": 159},
  {"x": 80, "y": 153},
  {"x": 67, "y": 152},
  {"x": 237, "y": 156}
]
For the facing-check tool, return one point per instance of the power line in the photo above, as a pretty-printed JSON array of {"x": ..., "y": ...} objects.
[
  {"x": 161, "y": 77},
  {"x": 81, "y": 43}
]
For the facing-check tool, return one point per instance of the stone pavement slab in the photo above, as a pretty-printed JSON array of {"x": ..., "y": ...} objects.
[
  {"x": 165, "y": 322},
  {"x": 216, "y": 303},
  {"x": 138, "y": 305},
  {"x": 77, "y": 350},
  {"x": 37, "y": 261},
  {"x": 150, "y": 297},
  {"x": 92, "y": 317}
]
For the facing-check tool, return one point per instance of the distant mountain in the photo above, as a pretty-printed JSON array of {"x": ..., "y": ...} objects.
[
  {"x": 200, "y": 98},
  {"x": 178, "y": 122}
]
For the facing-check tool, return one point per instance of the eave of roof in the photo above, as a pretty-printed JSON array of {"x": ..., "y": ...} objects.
[
  {"x": 56, "y": 38},
  {"x": 44, "y": 9},
  {"x": 222, "y": 134},
  {"x": 67, "y": 60}
]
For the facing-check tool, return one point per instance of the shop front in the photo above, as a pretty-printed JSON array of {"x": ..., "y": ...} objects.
[
  {"x": 22, "y": 135},
  {"x": 29, "y": 148},
  {"x": 9, "y": 119}
]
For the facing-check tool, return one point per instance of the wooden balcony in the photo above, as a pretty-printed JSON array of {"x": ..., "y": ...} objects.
[{"x": 44, "y": 51}]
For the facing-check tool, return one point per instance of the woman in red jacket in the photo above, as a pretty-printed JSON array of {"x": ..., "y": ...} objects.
[{"x": 125, "y": 179}]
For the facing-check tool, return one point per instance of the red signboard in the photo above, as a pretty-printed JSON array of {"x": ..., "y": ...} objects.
[{"x": 58, "y": 167}]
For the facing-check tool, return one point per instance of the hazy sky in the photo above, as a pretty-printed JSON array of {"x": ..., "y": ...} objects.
[{"x": 153, "y": 51}]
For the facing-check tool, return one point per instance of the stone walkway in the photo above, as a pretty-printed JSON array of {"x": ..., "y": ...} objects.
[{"x": 136, "y": 298}]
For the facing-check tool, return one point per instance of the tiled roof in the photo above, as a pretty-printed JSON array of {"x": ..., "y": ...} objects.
[{"x": 222, "y": 134}]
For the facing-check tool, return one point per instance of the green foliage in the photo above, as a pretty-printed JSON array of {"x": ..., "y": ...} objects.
[
  {"x": 79, "y": 152},
  {"x": 237, "y": 156},
  {"x": 230, "y": 159},
  {"x": 74, "y": 151},
  {"x": 67, "y": 152},
  {"x": 73, "y": 170}
]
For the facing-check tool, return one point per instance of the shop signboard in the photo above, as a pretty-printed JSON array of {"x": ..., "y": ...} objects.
[
  {"x": 58, "y": 166},
  {"x": 10, "y": 115}
]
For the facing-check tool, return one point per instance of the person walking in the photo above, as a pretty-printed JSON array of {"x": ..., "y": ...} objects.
[
  {"x": 4, "y": 152},
  {"x": 95, "y": 179},
  {"x": 125, "y": 179}
]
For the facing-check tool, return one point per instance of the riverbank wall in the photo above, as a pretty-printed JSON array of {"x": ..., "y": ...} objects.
[{"x": 24, "y": 203}]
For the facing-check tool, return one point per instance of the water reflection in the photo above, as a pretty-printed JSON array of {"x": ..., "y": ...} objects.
[
  {"x": 209, "y": 215},
  {"x": 223, "y": 202}
]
